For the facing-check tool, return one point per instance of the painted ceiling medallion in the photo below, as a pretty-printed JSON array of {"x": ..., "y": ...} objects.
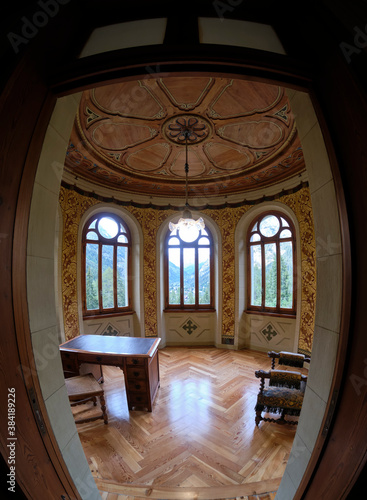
[
  {"x": 198, "y": 129},
  {"x": 130, "y": 136}
]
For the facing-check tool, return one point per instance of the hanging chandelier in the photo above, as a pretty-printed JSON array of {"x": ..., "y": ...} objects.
[{"x": 185, "y": 130}]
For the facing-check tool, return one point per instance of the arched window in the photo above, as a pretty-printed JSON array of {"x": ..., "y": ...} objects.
[
  {"x": 106, "y": 247},
  {"x": 271, "y": 265},
  {"x": 189, "y": 269}
]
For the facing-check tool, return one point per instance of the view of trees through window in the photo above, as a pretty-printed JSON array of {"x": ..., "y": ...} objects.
[
  {"x": 106, "y": 246},
  {"x": 189, "y": 268},
  {"x": 271, "y": 268},
  {"x": 92, "y": 284},
  {"x": 271, "y": 261}
]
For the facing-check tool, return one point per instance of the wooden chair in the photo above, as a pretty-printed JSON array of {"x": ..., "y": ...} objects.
[
  {"x": 285, "y": 358},
  {"x": 84, "y": 388},
  {"x": 283, "y": 395}
]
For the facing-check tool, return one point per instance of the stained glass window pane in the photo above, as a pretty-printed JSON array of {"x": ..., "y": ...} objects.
[
  {"x": 91, "y": 276},
  {"x": 122, "y": 239},
  {"x": 269, "y": 225},
  {"x": 255, "y": 237},
  {"x": 204, "y": 241},
  {"x": 189, "y": 275},
  {"x": 286, "y": 274},
  {"x": 107, "y": 277},
  {"x": 174, "y": 267},
  {"x": 204, "y": 275},
  {"x": 270, "y": 275},
  {"x": 91, "y": 235},
  {"x": 189, "y": 234},
  {"x": 122, "y": 284},
  {"x": 108, "y": 227},
  {"x": 256, "y": 283},
  {"x": 285, "y": 234}
]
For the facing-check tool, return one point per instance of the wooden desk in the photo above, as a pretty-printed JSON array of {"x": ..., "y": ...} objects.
[{"x": 137, "y": 357}]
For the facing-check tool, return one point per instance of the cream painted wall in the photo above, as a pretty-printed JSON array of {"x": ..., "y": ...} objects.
[
  {"x": 43, "y": 297},
  {"x": 329, "y": 288}
]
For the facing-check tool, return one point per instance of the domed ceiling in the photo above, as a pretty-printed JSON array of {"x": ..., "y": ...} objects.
[{"x": 129, "y": 136}]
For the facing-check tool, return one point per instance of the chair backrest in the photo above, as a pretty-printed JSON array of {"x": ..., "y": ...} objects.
[
  {"x": 281, "y": 378},
  {"x": 285, "y": 358}
]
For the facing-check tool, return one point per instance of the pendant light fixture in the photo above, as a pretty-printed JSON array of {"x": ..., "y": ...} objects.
[{"x": 185, "y": 130}]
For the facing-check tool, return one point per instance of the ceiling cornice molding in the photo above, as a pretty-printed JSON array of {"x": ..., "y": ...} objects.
[{"x": 170, "y": 206}]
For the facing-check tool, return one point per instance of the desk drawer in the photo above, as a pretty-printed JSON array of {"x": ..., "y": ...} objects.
[
  {"x": 139, "y": 400},
  {"x": 137, "y": 386},
  {"x": 69, "y": 362},
  {"x": 102, "y": 359},
  {"x": 135, "y": 373},
  {"x": 135, "y": 361}
]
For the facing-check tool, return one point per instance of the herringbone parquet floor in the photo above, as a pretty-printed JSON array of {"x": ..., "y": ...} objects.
[{"x": 200, "y": 441}]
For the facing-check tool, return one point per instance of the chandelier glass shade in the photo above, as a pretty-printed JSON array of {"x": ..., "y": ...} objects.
[
  {"x": 186, "y": 222},
  {"x": 186, "y": 130}
]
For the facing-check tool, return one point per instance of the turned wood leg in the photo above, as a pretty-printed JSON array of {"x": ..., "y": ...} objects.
[
  {"x": 103, "y": 407},
  {"x": 258, "y": 418}
]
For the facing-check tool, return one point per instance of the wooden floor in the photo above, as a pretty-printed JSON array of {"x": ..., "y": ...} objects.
[{"x": 200, "y": 441}]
